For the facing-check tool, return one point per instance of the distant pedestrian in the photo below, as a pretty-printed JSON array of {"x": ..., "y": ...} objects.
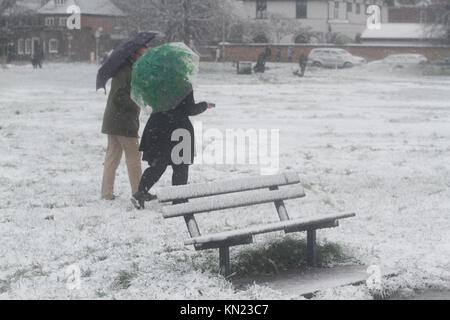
[
  {"x": 278, "y": 55},
  {"x": 268, "y": 53},
  {"x": 37, "y": 58},
  {"x": 261, "y": 63},
  {"x": 303, "y": 61}
]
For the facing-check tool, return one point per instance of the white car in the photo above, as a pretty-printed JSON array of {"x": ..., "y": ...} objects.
[
  {"x": 334, "y": 57},
  {"x": 400, "y": 60}
]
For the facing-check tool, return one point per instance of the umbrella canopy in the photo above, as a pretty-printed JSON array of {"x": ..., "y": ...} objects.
[
  {"x": 120, "y": 55},
  {"x": 162, "y": 77}
]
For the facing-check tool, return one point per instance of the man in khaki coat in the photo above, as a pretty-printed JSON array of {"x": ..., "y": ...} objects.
[{"x": 121, "y": 124}]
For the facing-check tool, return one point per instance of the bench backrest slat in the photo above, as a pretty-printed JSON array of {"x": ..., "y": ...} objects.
[
  {"x": 234, "y": 200},
  {"x": 200, "y": 190}
]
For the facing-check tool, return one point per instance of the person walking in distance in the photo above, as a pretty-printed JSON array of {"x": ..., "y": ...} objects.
[{"x": 303, "y": 61}]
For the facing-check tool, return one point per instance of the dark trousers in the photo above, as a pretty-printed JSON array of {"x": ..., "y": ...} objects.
[
  {"x": 303, "y": 69},
  {"x": 156, "y": 170}
]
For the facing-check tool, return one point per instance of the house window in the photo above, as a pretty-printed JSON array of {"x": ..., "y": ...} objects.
[
  {"x": 358, "y": 8},
  {"x": 28, "y": 46},
  {"x": 20, "y": 46},
  {"x": 302, "y": 9},
  {"x": 49, "y": 21},
  {"x": 53, "y": 46},
  {"x": 349, "y": 7},
  {"x": 261, "y": 9},
  {"x": 60, "y": 1},
  {"x": 62, "y": 22},
  {"x": 336, "y": 10}
]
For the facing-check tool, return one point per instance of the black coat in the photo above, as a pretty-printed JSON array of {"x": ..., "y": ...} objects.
[
  {"x": 156, "y": 139},
  {"x": 261, "y": 63}
]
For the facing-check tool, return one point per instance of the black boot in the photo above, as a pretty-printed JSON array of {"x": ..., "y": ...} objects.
[{"x": 139, "y": 199}]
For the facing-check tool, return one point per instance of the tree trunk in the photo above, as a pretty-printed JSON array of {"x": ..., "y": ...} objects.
[{"x": 186, "y": 23}]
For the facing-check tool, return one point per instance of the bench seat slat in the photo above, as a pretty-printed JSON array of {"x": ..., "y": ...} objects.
[
  {"x": 230, "y": 201},
  {"x": 277, "y": 226},
  {"x": 199, "y": 190}
]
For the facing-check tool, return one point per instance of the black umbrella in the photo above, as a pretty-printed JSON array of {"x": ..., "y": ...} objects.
[{"x": 120, "y": 55}]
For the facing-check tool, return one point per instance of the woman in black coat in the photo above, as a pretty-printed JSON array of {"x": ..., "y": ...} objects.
[{"x": 157, "y": 146}]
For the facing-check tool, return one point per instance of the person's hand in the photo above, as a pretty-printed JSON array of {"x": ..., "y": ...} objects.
[{"x": 211, "y": 105}]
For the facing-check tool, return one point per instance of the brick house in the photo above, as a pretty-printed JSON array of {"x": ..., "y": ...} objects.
[
  {"x": 346, "y": 17},
  {"x": 44, "y": 29},
  {"x": 18, "y": 22},
  {"x": 422, "y": 11}
]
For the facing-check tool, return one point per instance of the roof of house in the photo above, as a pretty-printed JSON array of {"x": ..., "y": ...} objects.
[
  {"x": 403, "y": 31},
  {"x": 88, "y": 7}
]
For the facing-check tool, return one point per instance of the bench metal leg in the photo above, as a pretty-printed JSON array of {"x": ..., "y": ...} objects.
[
  {"x": 311, "y": 249},
  {"x": 281, "y": 209},
  {"x": 224, "y": 257}
]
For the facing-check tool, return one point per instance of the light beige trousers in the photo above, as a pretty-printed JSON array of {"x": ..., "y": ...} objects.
[{"x": 116, "y": 146}]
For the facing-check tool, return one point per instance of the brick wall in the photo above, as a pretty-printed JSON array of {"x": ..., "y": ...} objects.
[
  {"x": 243, "y": 52},
  {"x": 410, "y": 15},
  {"x": 93, "y": 22}
]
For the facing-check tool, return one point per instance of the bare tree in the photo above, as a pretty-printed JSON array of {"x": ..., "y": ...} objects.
[
  {"x": 438, "y": 20},
  {"x": 202, "y": 21},
  {"x": 441, "y": 13},
  {"x": 274, "y": 28}
]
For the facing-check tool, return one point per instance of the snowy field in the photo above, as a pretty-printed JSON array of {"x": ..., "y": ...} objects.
[{"x": 372, "y": 142}]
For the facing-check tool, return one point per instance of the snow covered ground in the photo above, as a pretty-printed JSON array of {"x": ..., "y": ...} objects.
[{"x": 372, "y": 142}]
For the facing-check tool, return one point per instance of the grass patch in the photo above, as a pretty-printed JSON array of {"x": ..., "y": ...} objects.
[
  {"x": 285, "y": 254},
  {"x": 123, "y": 280},
  {"x": 4, "y": 286},
  {"x": 36, "y": 270},
  {"x": 100, "y": 293}
]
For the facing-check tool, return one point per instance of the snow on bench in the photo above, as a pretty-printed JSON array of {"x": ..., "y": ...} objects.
[
  {"x": 237, "y": 193},
  {"x": 192, "y": 191},
  {"x": 231, "y": 201}
]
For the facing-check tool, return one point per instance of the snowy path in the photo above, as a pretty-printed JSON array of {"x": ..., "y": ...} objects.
[{"x": 373, "y": 143}]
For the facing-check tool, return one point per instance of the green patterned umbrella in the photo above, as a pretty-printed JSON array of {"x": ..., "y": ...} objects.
[{"x": 162, "y": 77}]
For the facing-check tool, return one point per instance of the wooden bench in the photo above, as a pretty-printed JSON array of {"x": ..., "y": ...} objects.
[{"x": 237, "y": 193}]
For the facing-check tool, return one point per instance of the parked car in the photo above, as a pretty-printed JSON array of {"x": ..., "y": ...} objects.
[
  {"x": 442, "y": 62},
  {"x": 406, "y": 59},
  {"x": 334, "y": 57}
]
